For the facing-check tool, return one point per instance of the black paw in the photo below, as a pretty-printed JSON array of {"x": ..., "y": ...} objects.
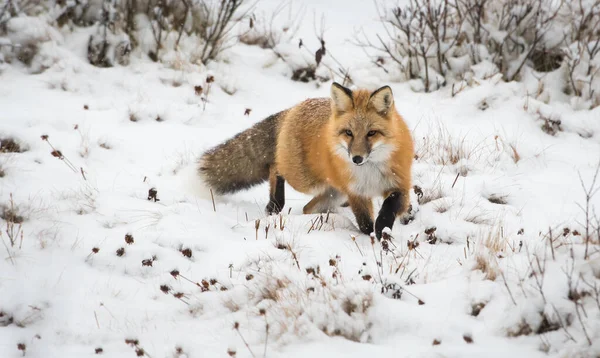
[
  {"x": 382, "y": 222},
  {"x": 366, "y": 227},
  {"x": 273, "y": 208},
  {"x": 392, "y": 205}
]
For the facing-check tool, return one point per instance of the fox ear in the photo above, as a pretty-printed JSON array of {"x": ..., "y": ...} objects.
[
  {"x": 382, "y": 100},
  {"x": 342, "y": 98}
]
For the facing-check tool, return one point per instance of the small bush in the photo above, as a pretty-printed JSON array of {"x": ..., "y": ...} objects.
[
  {"x": 9, "y": 145},
  {"x": 440, "y": 42},
  {"x": 205, "y": 26}
]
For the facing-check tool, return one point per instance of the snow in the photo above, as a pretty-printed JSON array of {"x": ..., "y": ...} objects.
[{"x": 129, "y": 129}]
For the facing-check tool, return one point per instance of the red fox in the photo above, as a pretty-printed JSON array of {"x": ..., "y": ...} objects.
[{"x": 348, "y": 148}]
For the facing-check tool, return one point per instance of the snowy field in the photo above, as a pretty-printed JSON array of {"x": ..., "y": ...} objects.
[{"x": 492, "y": 263}]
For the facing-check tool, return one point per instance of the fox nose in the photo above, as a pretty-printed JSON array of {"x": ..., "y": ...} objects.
[{"x": 357, "y": 159}]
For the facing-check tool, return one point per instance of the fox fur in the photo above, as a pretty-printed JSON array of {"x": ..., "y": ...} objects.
[{"x": 350, "y": 148}]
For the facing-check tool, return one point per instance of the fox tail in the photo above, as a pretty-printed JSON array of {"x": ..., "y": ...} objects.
[{"x": 242, "y": 161}]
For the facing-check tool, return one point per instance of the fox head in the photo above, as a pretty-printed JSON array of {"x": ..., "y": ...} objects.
[{"x": 362, "y": 123}]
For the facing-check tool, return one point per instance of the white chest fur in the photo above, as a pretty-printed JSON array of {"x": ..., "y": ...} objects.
[
  {"x": 370, "y": 179},
  {"x": 374, "y": 176}
]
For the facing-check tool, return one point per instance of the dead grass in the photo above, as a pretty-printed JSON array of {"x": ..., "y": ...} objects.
[
  {"x": 10, "y": 213},
  {"x": 485, "y": 264},
  {"x": 273, "y": 289},
  {"x": 10, "y": 145},
  {"x": 488, "y": 249},
  {"x": 476, "y": 308},
  {"x": 551, "y": 123},
  {"x": 323, "y": 222},
  {"x": 524, "y": 329},
  {"x": 104, "y": 145},
  {"x": 298, "y": 302},
  {"x": 84, "y": 143},
  {"x": 13, "y": 229},
  {"x": 175, "y": 82},
  {"x": 428, "y": 195},
  {"x": 498, "y": 199},
  {"x": 442, "y": 206},
  {"x": 479, "y": 216},
  {"x": 495, "y": 240},
  {"x": 478, "y": 219},
  {"x": 514, "y": 153},
  {"x": 441, "y": 147},
  {"x": 510, "y": 148},
  {"x": 133, "y": 117}
]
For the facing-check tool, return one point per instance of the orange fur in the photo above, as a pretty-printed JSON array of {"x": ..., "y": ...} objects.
[
  {"x": 308, "y": 145},
  {"x": 351, "y": 147}
]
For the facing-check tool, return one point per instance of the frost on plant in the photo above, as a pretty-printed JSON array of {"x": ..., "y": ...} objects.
[{"x": 441, "y": 42}]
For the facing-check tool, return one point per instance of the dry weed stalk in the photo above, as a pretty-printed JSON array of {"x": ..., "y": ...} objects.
[
  {"x": 14, "y": 228},
  {"x": 574, "y": 295},
  {"x": 492, "y": 246},
  {"x": 587, "y": 209},
  {"x": 236, "y": 327},
  {"x": 84, "y": 143},
  {"x": 135, "y": 344},
  {"x": 318, "y": 222},
  {"x": 58, "y": 154},
  {"x": 440, "y": 147}
]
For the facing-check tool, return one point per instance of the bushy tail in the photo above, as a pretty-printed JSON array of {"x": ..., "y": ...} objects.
[{"x": 242, "y": 161}]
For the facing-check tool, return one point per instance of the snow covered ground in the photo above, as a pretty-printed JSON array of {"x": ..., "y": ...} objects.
[{"x": 492, "y": 265}]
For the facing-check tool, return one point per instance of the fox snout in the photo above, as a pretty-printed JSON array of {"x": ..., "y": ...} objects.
[{"x": 358, "y": 152}]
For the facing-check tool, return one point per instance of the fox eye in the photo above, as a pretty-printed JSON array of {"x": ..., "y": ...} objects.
[
  {"x": 348, "y": 132},
  {"x": 371, "y": 133}
]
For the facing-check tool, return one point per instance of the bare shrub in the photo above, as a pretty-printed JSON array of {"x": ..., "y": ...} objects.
[
  {"x": 581, "y": 49},
  {"x": 528, "y": 27},
  {"x": 13, "y": 8},
  {"x": 419, "y": 38},
  {"x": 589, "y": 211},
  {"x": 439, "y": 42},
  {"x": 106, "y": 47},
  {"x": 269, "y": 31},
  {"x": 23, "y": 31},
  {"x": 306, "y": 64},
  {"x": 205, "y": 25},
  {"x": 214, "y": 22}
]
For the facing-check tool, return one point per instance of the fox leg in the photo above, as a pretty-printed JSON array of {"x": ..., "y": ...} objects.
[
  {"x": 395, "y": 203},
  {"x": 276, "y": 192},
  {"x": 363, "y": 211},
  {"x": 324, "y": 202}
]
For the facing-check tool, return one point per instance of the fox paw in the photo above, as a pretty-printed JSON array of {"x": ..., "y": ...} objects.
[
  {"x": 366, "y": 227},
  {"x": 272, "y": 208}
]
